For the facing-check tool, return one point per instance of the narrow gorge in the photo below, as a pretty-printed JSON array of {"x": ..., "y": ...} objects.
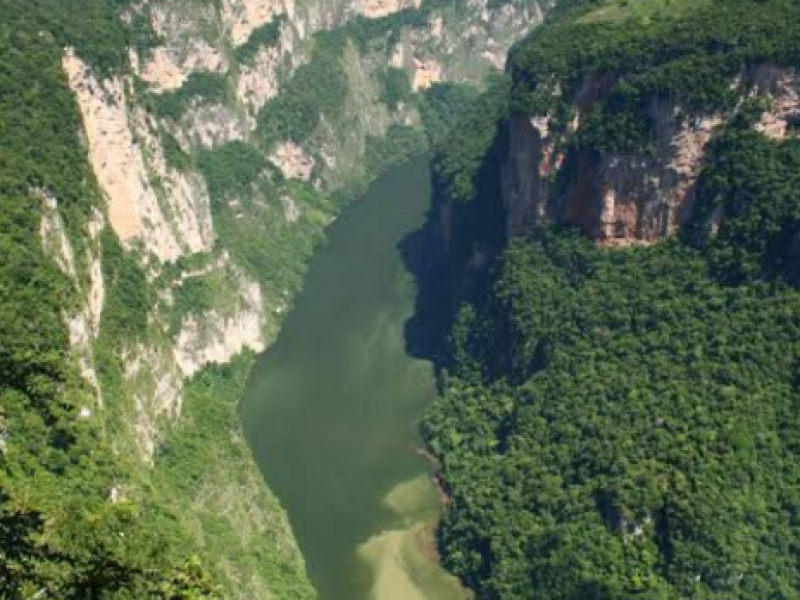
[
  {"x": 178, "y": 163},
  {"x": 399, "y": 299}
]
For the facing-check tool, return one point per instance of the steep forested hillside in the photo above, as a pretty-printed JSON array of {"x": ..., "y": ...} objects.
[
  {"x": 60, "y": 536},
  {"x": 623, "y": 422}
]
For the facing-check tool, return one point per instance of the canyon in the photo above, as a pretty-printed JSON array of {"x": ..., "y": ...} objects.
[
  {"x": 178, "y": 164},
  {"x": 222, "y": 253}
]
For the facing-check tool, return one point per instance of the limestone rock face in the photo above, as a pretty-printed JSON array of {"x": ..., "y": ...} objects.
[
  {"x": 426, "y": 73},
  {"x": 84, "y": 322},
  {"x": 216, "y": 337},
  {"x": 258, "y": 82},
  {"x": 242, "y": 17},
  {"x": 166, "y": 72},
  {"x": 783, "y": 88},
  {"x": 623, "y": 199},
  {"x": 172, "y": 218},
  {"x": 373, "y": 9},
  {"x": 293, "y": 162}
]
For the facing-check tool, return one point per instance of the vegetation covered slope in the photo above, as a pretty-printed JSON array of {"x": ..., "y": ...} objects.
[
  {"x": 623, "y": 423},
  {"x": 80, "y": 515},
  {"x": 60, "y": 536},
  {"x": 688, "y": 54}
]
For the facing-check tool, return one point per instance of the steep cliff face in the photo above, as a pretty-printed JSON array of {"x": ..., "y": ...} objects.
[
  {"x": 248, "y": 51},
  {"x": 84, "y": 323},
  {"x": 216, "y": 335},
  {"x": 622, "y": 198},
  {"x": 613, "y": 142},
  {"x": 166, "y": 210}
]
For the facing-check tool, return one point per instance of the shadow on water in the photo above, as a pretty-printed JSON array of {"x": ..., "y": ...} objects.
[
  {"x": 450, "y": 256},
  {"x": 428, "y": 325}
]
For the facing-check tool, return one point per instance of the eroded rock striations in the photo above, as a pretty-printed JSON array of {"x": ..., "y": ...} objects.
[
  {"x": 622, "y": 198},
  {"x": 147, "y": 200}
]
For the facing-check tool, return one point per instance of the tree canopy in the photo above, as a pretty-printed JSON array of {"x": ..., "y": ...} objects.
[{"x": 622, "y": 423}]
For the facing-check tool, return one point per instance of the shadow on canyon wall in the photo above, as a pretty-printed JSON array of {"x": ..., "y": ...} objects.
[{"x": 451, "y": 255}]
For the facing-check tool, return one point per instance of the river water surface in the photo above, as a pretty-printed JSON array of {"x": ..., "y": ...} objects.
[{"x": 332, "y": 409}]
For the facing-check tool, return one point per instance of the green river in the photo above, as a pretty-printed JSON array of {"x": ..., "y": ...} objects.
[{"x": 332, "y": 409}]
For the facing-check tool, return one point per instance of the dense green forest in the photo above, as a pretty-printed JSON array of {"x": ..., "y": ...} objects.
[{"x": 623, "y": 423}]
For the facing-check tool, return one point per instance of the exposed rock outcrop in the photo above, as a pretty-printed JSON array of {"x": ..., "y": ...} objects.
[
  {"x": 293, "y": 161},
  {"x": 55, "y": 241},
  {"x": 157, "y": 383},
  {"x": 147, "y": 200},
  {"x": 187, "y": 50},
  {"x": 373, "y": 9},
  {"x": 84, "y": 324},
  {"x": 166, "y": 72},
  {"x": 457, "y": 46},
  {"x": 242, "y": 17},
  {"x": 782, "y": 87},
  {"x": 258, "y": 82},
  {"x": 291, "y": 211},
  {"x": 450, "y": 48},
  {"x": 617, "y": 198},
  {"x": 426, "y": 73},
  {"x": 216, "y": 337},
  {"x": 211, "y": 125}
]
